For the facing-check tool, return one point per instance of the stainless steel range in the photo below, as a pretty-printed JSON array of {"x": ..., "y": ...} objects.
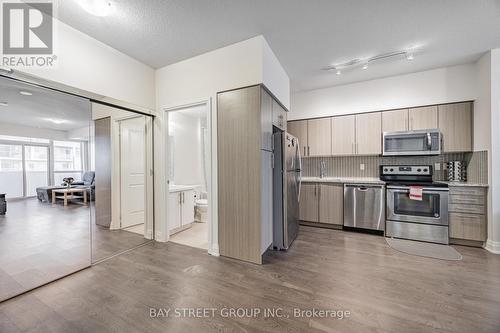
[{"x": 417, "y": 207}]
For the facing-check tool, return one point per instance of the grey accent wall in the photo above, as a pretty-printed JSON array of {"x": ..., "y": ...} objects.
[{"x": 349, "y": 166}]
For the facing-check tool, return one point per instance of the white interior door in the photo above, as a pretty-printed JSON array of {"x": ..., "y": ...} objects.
[{"x": 133, "y": 171}]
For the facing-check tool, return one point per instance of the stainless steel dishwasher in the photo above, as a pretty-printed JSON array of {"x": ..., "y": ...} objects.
[{"x": 364, "y": 206}]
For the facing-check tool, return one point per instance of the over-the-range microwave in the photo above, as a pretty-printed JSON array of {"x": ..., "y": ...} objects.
[{"x": 410, "y": 143}]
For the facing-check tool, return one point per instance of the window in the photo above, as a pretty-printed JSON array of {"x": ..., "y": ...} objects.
[
  {"x": 68, "y": 160},
  {"x": 11, "y": 170}
]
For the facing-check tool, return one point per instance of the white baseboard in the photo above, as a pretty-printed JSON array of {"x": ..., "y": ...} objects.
[
  {"x": 492, "y": 246},
  {"x": 214, "y": 250}
]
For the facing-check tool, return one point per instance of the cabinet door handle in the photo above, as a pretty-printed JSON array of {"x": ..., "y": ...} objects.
[
  {"x": 308, "y": 151},
  {"x": 305, "y": 150},
  {"x": 180, "y": 198}
]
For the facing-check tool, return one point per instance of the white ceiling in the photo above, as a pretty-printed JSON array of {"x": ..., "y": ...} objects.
[
  {"x": 45, "y": 109},
  {"x": 306, "y": 35}
]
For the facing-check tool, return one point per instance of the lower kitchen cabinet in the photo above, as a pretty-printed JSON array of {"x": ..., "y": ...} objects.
[
  {"x": 322, "y": 203},
  {"x": 331, "y": 204},
  {"x": 309, "y": 203},
  {"x": 467, "y": 213}
]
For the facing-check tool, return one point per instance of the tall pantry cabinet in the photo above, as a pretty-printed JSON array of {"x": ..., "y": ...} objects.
[{"x": 244, "y": 156}]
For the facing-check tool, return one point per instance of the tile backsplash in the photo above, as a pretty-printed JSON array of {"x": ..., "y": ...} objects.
[{"x": 368, "y": 166}]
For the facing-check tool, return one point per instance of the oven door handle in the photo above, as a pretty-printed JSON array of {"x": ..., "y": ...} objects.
[{"x": 404, "y": 189}]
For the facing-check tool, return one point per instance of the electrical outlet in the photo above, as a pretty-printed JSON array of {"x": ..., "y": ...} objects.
[
  {"x": 361, "y": 166},
  {"x": 437, "y": 166}
]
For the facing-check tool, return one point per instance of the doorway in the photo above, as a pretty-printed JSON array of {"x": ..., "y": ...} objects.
[
  {"x": 188, "y": 151},
  {"x": 123, "y": 157}
]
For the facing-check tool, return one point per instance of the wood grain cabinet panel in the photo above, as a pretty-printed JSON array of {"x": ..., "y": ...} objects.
[
  {"x": 455, "y": 123},
  {"x": 319, "y": 133},
  {"x": 395, "y": 120},
  {"x": 309, "y": 203},
  {"x": 468, "y": 226},
  {"x": 369, "y": 133},
  {"x": 266, "y": 115},
  {"x": 343, "y": 135},
  {"x": 331, "y": 203},
  {"x": 279, "y": 116},
  {"x": 239, "y": 132},
  {"x": 298, "y": 128},
  {"x": 467, "y": 213},
  {"x": 423, "y": 118}
]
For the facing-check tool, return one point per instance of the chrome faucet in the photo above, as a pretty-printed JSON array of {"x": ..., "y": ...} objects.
[{"x": 322, "y": 169}]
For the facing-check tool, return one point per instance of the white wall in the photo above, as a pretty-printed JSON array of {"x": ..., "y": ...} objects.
[
  {"x": 493, "y": 242},
  {"x": 443, "y": 85},
  {"x": 482, "y": 105},
  {"x": 199, "y": 79},
  {"x": 85, "y": 63},
  {"x": 274, "y": 75}
]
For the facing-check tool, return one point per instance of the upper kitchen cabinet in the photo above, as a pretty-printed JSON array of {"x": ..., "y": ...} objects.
[
  {"x": 343, "y": 135},
  {"x": 369, "y": 133},
  {"x": 423, "y": 118},
  {"x": 279, "y": 116},
  {"x": 298, "y": 129},
  {"x": 455, "y": 123},
  {"x": 319, "y": 133},
  {"x": 395, "y": 120},
  {"x": 266, "y": 114}
]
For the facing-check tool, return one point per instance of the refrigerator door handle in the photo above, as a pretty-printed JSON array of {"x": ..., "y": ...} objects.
[{"x": 299, "y": 180}]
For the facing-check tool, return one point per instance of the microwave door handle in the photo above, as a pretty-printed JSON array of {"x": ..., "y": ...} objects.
[{"x": 429, "y": 141}]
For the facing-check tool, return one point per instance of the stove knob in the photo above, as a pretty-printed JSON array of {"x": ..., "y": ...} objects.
[
  {"x": 385, "y": 170},
  {"x": 419, "y": 170},
  {"x": 391, "y": 170},
  {"x": 425, "y": 170}
]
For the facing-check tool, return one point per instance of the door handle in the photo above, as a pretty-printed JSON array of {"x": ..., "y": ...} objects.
[
  {"x": 308, "y": 151},
  {"x": 305, "y": 150},
  {"x": 362, "y": 189}
]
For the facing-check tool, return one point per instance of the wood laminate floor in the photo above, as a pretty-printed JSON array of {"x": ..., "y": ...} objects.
[
  {"x": 40, "y": 242},
  {"x": 384, "y": 290}
]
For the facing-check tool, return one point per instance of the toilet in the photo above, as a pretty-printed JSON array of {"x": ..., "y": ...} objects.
[{"x": 201, "y": 210}]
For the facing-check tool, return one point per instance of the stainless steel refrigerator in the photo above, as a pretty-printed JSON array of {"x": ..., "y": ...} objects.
[{"x": 287, "y": 175}]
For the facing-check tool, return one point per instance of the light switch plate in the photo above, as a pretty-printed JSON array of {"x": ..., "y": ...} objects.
[
  {"x": 437, "y": 166},
  {"x": 361, "y": 166}
]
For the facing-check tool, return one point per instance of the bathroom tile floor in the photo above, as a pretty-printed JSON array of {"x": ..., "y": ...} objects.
[{"x": 196, "y": 236}]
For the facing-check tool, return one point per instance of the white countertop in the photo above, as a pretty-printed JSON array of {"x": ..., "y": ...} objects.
[
  {"x": 343, "y": 180},
  {"x": 462, "y": 184},
  {"x": 179, "y": 188}
]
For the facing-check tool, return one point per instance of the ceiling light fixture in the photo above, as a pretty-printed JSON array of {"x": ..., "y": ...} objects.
[
  {"x": 4, "y": 104},
  {"x": 99, "y": 8},
  {"x": 25, "y": 93},
  {"x": 408, "y": 54},
  {"x": 56, "y": 121}
]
